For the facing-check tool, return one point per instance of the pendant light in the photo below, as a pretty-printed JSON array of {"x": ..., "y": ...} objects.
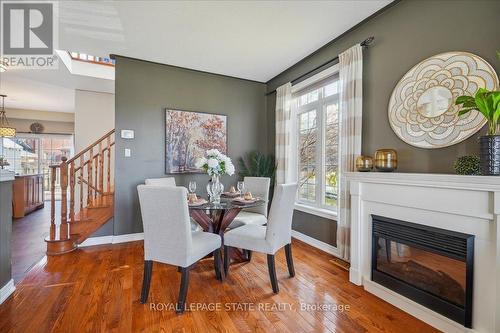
[{"x": 5, "y": 130}]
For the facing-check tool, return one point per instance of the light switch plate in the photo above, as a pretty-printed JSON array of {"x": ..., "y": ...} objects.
[
  {"x": 127, "y": 152},
  {"x": 127, "y": 134}
]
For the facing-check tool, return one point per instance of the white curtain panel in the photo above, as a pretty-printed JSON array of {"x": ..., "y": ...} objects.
[
  {"x": 284, "y": 132},
  {"x": 351, "y": 104}
]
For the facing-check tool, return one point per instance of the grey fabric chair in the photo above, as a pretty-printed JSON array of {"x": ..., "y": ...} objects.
[
  {"x": 170, "y": 181},
  {"x": 259, "y": 187},
  {"x": 270, "y": 239},
  {"x": 168, "y": 238},
  {"x": 165, "y": 181}
]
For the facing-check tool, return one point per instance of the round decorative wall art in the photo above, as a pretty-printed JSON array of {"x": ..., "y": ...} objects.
[{"x": 422, "y": 110}]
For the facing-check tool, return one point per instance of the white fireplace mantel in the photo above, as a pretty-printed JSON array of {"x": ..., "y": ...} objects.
[{"x": 468, "y": 204}]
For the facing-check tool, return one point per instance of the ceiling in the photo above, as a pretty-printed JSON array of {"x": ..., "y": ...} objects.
[{"x": 254, "y": 40}]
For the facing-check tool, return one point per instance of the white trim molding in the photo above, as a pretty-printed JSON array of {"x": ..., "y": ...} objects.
[
  {"x": 316, "y": 243},
  {"x": 114, "y": 239},
  {"x": 466, "y": 204},
  {"x": 7, "y": 290},
  {"x": 321, "y": 212}
]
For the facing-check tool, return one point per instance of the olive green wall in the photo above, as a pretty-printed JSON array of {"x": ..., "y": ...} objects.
[
  {"x": 405, "y": 34},
  {"x": 143, "y": 91}
]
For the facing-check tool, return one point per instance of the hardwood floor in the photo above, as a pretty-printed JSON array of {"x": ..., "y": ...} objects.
[
  {"x": 97, "y": 289},
  {"x": 28, "y": 234}
]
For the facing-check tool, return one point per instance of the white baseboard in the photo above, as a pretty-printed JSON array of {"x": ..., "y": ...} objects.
[
  {"x": 128, "y": 238},
  {"x": 112, "y": 239},
  {"x": 316, "y": 243},
  {"x": 355, "y": 276},
  {"x": 97, "y": 241},
  {"x": 7, "y": 290}
]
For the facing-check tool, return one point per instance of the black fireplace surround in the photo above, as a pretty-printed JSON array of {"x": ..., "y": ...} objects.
[{"x": 431, "y": 266}]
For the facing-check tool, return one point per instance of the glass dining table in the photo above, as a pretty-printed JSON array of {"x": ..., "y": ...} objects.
[{"x": 216, "y": 218}]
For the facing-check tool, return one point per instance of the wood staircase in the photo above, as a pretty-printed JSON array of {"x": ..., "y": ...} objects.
[{"x": 90, "y": 179}]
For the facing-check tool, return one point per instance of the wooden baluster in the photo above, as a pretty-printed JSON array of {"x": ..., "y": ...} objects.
[
  {"x": 89, "y": 176},
  {"x": 64, "y": 200},
  {"x": 96, "y": 174},
  {"x": 82, "y": 166},
  {"x": 72, "y": 192},
  {"x": 109, "y": 164},
  {"x": 53, "y": 202},
  {"x": 101, "y": 168}
]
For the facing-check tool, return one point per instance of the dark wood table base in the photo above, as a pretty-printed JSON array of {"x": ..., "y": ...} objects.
[{"x": 217, "y": 221}]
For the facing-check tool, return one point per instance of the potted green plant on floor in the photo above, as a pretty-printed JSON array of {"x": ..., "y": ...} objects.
[{"x": 488, "y": 104}]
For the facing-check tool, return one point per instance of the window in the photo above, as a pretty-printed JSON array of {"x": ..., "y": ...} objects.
[
  {"x": 317, "y": 111},
  {"x": 35, "y": 153},
  {"x": 92, "y": 59}
]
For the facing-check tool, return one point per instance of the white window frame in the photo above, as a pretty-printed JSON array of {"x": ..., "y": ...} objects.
[{"x": 317, "y": 208}]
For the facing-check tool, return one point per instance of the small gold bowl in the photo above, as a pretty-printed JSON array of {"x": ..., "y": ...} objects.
[
  {"x": 386, "y": 160},
  {"x": 364, "y": 163}
]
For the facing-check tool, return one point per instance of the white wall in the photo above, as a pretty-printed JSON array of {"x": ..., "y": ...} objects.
[{"x": 94, "y": 116}]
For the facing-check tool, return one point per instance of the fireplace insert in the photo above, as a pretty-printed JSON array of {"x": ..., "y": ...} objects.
[{"x": 431, "y": 266}]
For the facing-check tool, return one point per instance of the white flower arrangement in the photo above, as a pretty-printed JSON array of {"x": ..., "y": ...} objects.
[{"x": 216, "y": 163}]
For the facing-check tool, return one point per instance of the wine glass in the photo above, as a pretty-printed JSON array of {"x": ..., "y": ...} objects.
[
  {"x": 241, "y": 187},
  {"x": 192, "y": 186}
]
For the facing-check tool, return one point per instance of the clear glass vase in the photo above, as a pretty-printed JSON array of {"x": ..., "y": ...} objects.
[{"x": 215, "y": 189}]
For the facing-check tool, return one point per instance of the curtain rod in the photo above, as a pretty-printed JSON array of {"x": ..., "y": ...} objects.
[{"x": 367, "y": 42}]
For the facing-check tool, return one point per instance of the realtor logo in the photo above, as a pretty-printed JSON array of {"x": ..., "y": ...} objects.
[
  {"x": 28, "y": 28},
  {"x": 29, "y": 35}
]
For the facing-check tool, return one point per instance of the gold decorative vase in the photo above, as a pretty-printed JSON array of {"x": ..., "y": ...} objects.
[
  {"x": 386, "y": 160},
  {"x": 364, "y": 163}
]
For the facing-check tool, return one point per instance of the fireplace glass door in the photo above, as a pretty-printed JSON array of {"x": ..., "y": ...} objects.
[
  {"x": 439, "y": 275},
  {"x": 431, "y": 266}
]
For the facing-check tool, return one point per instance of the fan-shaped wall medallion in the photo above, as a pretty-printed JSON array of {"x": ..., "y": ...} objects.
[{"x": 422, "y": 110}]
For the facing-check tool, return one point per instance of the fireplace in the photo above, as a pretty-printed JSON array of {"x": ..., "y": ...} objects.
[{"x": 431, "y": 266}]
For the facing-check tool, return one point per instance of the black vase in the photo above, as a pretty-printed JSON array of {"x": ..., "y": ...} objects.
[{"x": 489, "y": 154}]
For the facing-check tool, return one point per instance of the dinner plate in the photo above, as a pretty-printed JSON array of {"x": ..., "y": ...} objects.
[
  {"x": 230, "y": 195},
  {"x": 243, "y": 201},
  {"x": 198, "y": 203}
]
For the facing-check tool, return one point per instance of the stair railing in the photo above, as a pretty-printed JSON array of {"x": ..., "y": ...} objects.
[{"x": 89, "y": 177}]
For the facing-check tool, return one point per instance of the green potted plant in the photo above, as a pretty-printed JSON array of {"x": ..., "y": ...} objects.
[
  {"x": 467, "y": 165},
  {"x": 257, "y": 164},
  {"x": 488, "y": 104}
]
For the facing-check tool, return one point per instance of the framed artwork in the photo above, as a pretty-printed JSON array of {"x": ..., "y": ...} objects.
[{"x": 188, "y": 135}]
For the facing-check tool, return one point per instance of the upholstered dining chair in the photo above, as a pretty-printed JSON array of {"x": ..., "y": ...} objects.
[
  {"x": 268, "y": 239},
  {"x": 170, "y": 181},
  {"x": 165, "y": 181},
  {"x": 259, "y": 187},
  {"x": 168, "y": 238}
]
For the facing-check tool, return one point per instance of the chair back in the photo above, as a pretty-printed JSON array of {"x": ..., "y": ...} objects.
[
  {"x": 259, "y": 187},
  {"x": 165, "y": 181},
  {"x": 279, "y": 223},
  {"x": 165, "y": 218}
]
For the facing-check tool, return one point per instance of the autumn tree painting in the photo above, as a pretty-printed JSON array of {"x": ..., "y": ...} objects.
[{"x": 189, "y": 135}]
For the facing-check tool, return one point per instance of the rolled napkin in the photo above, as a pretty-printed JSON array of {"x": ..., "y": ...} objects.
[
  {"x": 192, "y": 198},
  {"x": 248, "y": 196},
  {"x": 232, "y": 190}
]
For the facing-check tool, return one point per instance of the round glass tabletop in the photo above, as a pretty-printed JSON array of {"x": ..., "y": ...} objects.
[{"x": 226, "y": 204}]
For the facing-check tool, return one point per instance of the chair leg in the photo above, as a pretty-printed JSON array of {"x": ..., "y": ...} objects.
[
  {"x": 289, "y": 260},
  {"x": 272, "y": 273},
  {"x": 226, "y": 260},
  {"x": 146, "y": 280},
  {"x": 217, "y": 265},
  {"x": 249, "y": 255},
  {"x": 183, "y": 290}
]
